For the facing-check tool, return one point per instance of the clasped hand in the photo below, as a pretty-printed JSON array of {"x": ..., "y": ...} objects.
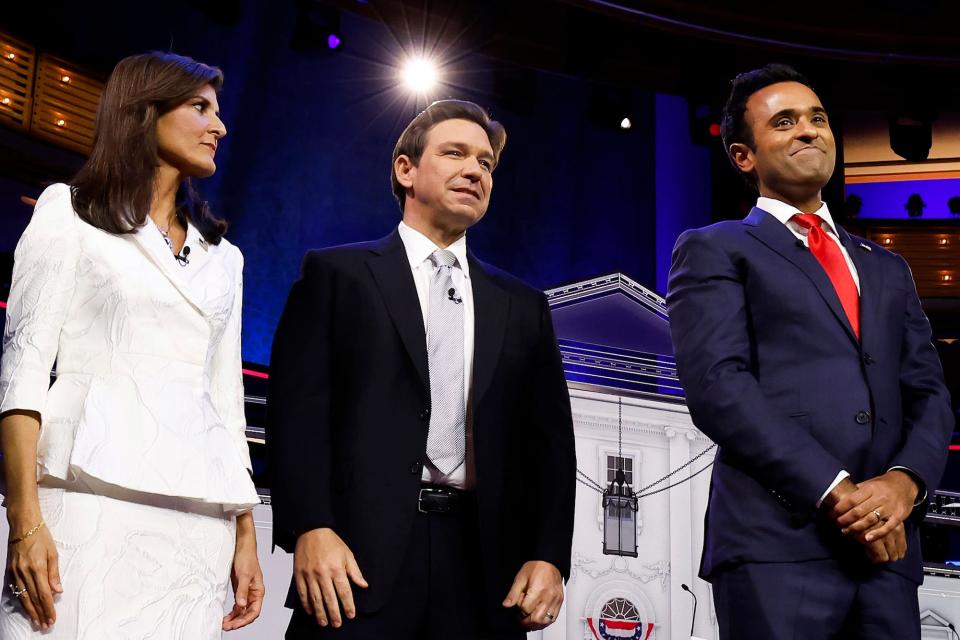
[{"x": 855, "y": 509}]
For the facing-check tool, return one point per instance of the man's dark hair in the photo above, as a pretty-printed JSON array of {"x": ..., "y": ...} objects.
[
  {"x": 733, "y": 125},
  {"x": 414, "y": 138}
]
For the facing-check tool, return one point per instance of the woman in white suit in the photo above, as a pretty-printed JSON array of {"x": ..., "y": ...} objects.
[{"x": 128, "y": 490}]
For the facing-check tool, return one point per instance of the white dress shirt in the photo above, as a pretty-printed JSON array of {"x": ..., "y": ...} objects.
[
  {"x": 784, "y": 212},
  {"x": 419, "y": 248}
]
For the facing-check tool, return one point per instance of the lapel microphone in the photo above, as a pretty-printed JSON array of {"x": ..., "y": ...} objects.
[
  {"x": 452, "y": 296},
  {"x": 182, "y": 258}
]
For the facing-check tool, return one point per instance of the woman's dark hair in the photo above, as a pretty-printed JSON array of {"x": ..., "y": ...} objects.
[
  {"x": 414, "y": 138},
  {"x": 114, "y": 188},
  {"x": 733, "y": 125}
]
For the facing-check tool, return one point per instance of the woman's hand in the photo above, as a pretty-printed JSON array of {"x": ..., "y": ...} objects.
[
  {"x": 33, "y": 568},
  {"x": 32, "y": 565},
  {"x": 247, "y": 578}
]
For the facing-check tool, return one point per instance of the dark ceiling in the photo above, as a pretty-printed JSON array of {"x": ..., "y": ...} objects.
[{"x": 878, "y": 54}]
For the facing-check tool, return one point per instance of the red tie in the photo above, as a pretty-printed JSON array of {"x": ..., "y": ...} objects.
[{"x": 828, "y": 254}]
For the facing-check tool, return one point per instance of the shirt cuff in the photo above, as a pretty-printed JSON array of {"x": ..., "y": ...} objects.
[
  {"x": 922, "y": 493},
  {"x": 843, "y": 475}
]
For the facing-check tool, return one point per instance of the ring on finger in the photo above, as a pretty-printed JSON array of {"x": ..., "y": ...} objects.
[
  {"x": 17, "y": 591},
  {"x": 876, "y": 512}
]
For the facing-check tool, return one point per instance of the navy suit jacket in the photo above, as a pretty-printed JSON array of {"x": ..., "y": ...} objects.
[
  {"x": 774, "y": 374},
  {"x": 348, "y": 415}
]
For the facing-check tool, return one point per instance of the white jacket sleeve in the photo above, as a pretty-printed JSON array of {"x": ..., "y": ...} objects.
[
  {"x": 44, "y": 279},
  {"x": 226, "y": 374}
]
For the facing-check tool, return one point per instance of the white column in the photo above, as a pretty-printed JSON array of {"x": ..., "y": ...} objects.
[{"x": 681, "y": 551}]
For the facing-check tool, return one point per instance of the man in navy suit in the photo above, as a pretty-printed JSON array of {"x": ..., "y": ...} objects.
[
  {"x": 806, "y": 356},
  {"x": 420, "y": 438}
]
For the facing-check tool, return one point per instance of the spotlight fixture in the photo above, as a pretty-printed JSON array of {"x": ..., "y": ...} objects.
[
  {"x": 317, "y": 27},
  {"x": 419, "y": 75},
  {"x": 611, "y": 107},
  {"x": 911, "y": 136}
]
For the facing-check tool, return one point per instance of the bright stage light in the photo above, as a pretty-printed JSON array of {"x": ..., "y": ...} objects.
[{"x": 419, "y": 75}]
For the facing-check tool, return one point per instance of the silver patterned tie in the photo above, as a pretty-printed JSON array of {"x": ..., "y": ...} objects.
[{"x": 446, "y": 439}]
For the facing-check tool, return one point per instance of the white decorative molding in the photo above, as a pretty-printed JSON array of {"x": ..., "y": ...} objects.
[
  {"x": 933, "y": 625},
  {"x": 610, "y": 422},
  {"x": 690, "y": 433},
  {"x": 620, "y": 565}
]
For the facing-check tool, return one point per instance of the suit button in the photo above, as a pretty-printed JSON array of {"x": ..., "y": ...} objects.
[
  {"x": 425, "y": 414},
  {"x": 863, "y": 417},
  {"x": 867, "y": 358},
  {"x": 416, "y": 468}
]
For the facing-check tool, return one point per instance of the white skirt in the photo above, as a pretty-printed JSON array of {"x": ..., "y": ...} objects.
[{"x": 143, "y": 567}]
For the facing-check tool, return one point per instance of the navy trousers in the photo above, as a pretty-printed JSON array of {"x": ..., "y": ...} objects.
[{"x": 814, "y": 600}]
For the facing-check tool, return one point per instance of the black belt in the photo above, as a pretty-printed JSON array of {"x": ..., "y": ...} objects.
[{"x": 440, "y": 499}]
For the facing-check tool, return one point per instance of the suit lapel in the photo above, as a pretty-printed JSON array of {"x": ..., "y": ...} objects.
[
  {"x": 153, "y": 246},
  {"x": 869, "y": 275},
  {"x": 771, "y": 232},
  {"x": 491, "y": 306},
  {"x": 391, "y": 271}
]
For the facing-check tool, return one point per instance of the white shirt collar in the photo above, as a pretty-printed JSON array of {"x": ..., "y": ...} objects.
[
  {"x": 419, "y": 248},
  {"x": 783, "y": 211}
]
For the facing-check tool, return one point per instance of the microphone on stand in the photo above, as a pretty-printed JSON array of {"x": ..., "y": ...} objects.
[{"x": 694, "y": 618}]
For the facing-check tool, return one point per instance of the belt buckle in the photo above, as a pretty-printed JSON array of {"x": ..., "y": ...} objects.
[{"x": 420, "y": 498}]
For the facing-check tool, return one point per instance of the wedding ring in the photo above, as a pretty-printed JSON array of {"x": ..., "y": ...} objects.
[
  {"x": 17, "y": 592},
  {"x": 876, "y": 512}
]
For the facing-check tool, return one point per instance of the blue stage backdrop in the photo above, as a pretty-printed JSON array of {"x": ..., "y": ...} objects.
[{"x": 307, "y": 159}]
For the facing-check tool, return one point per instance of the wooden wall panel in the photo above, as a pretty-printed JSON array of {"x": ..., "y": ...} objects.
[
  {"x": 17, "y": 63},
  {"x": 65, "y": 106},
  {"x": 931, "y": 250}
]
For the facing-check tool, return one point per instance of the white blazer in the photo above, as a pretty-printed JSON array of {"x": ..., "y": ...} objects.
[{"x": 149, "y": 389}]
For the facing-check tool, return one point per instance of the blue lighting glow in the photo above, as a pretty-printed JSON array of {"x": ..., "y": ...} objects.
[{"x": 887, "y": 199}]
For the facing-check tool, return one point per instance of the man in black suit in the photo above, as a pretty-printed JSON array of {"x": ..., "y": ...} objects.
[{"x": 420, "y": 437}]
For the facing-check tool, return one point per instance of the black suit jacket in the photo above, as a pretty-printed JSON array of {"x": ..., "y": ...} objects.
[{"x": 349, "y": 405}]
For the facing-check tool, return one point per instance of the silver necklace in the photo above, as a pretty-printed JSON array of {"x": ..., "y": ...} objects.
[{"x": 181, "y": 257}]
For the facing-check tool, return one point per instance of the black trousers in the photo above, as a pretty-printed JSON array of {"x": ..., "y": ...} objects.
[
  {"x": 814, "y": 600},
  {"x": 439, "y": 594}
]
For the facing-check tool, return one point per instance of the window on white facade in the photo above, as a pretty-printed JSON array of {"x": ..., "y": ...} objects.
[
  {"x": 614, "y": 463},
  {"x": 620, "y": 609}
]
